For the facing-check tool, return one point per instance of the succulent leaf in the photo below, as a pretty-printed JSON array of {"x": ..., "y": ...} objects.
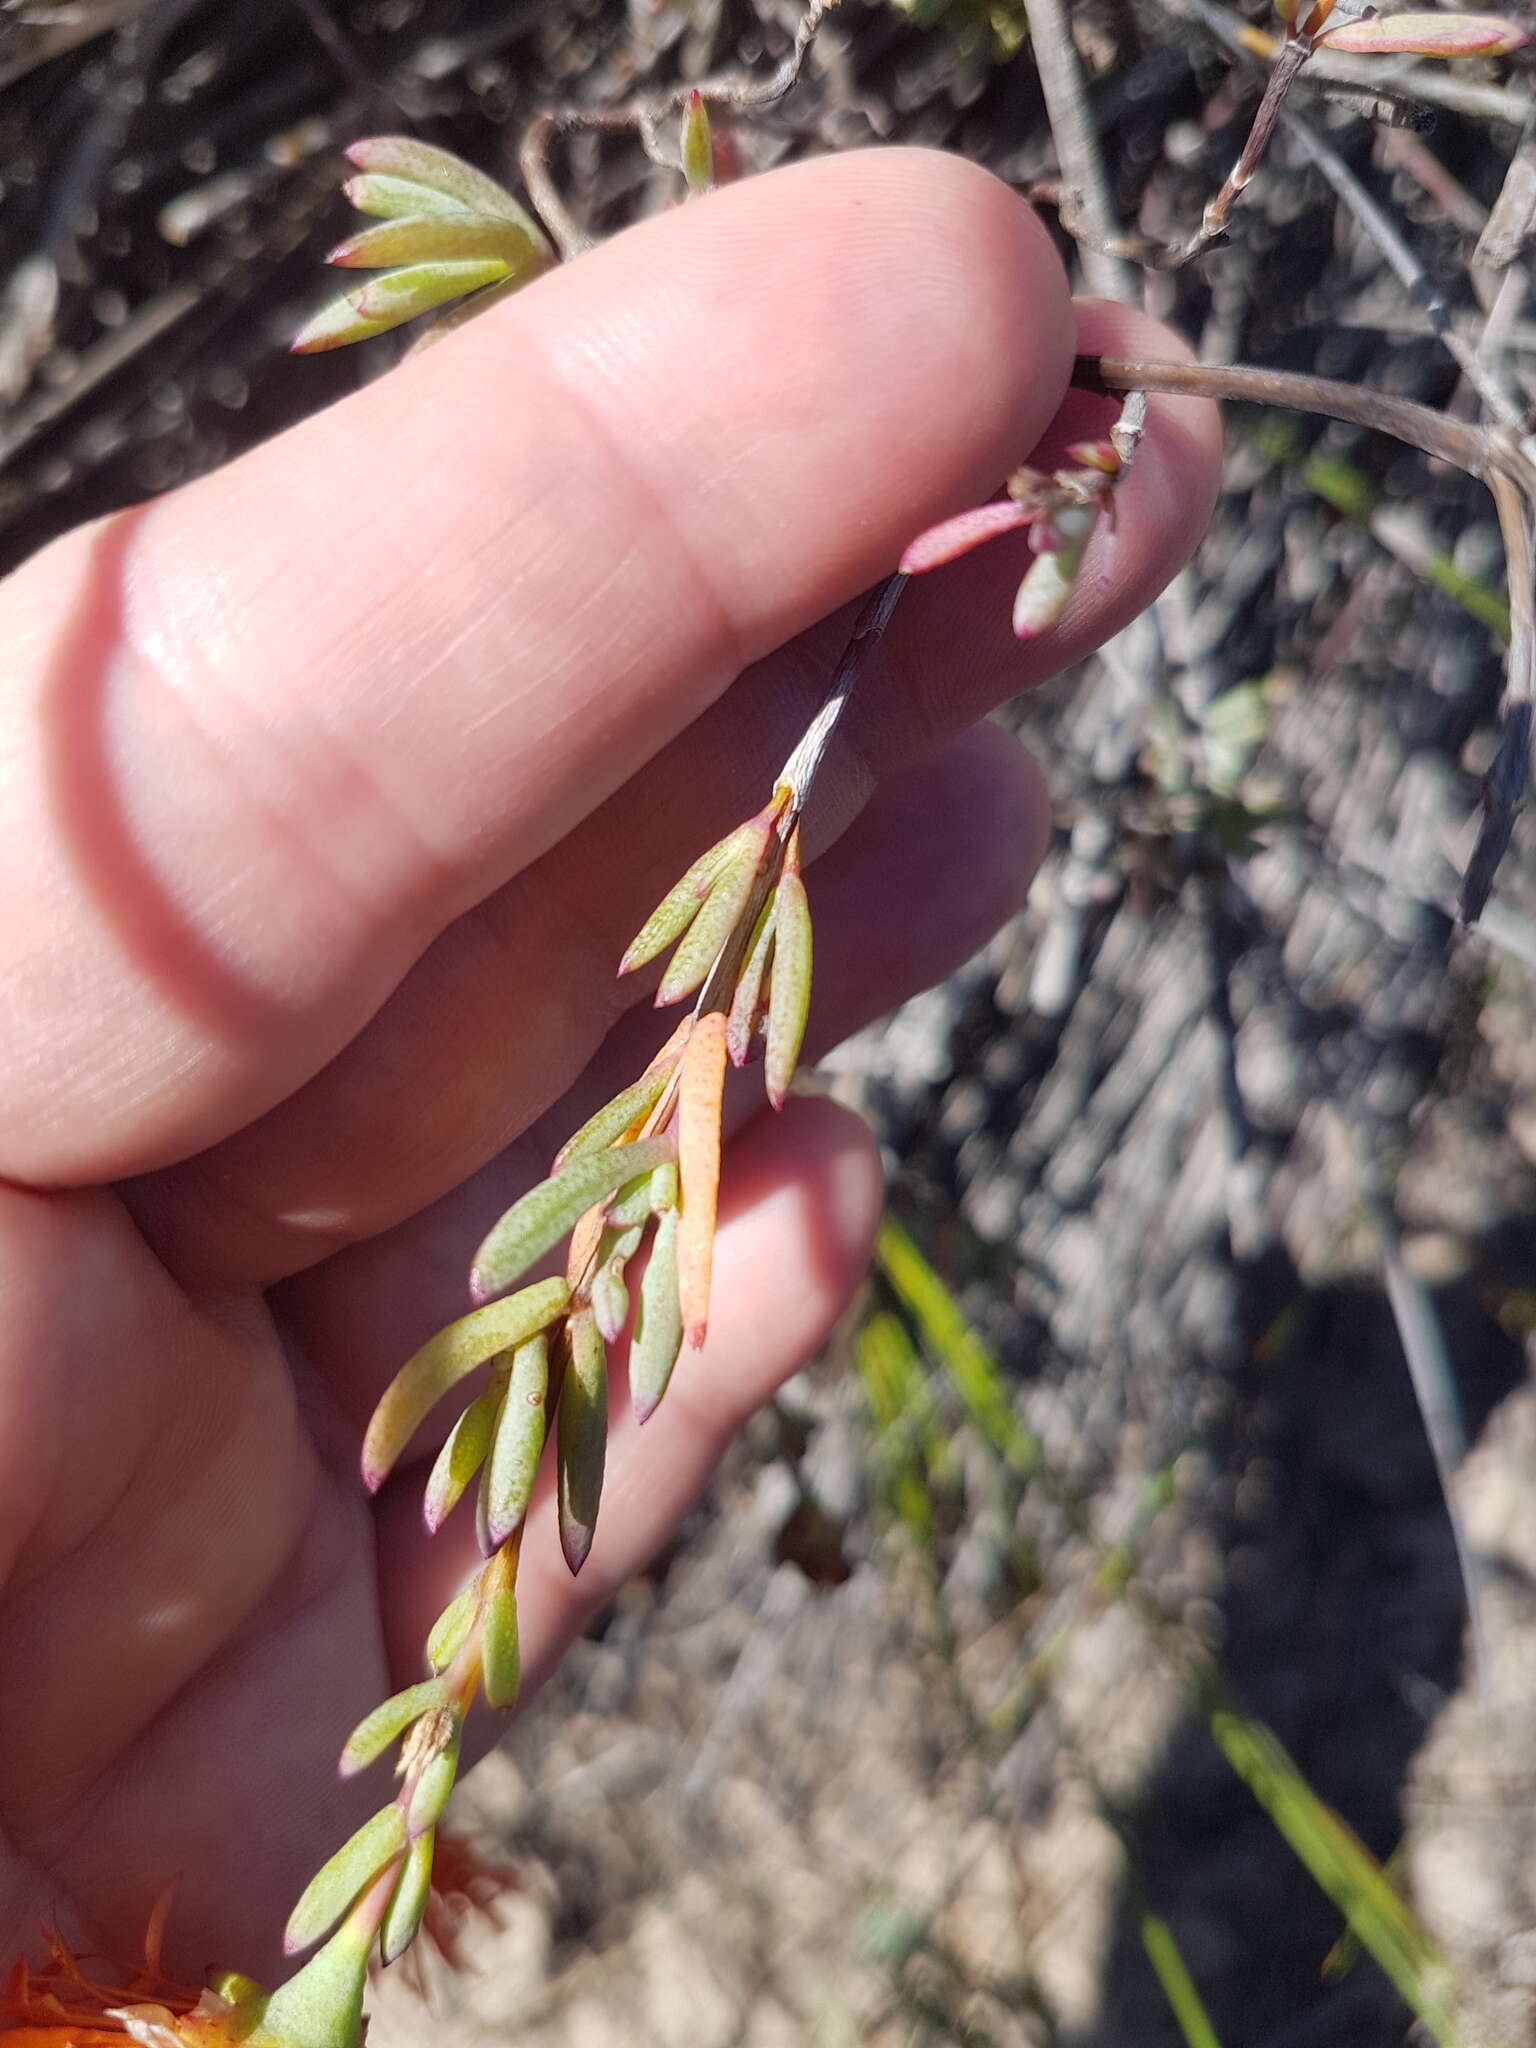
[
  {"x": 1048, "y": 583},
  {"x": 334, "y": 1889},
  {"x": 719, "y": 914},
  {"x": 507, "y": 1483},
  {"x": 500, "y": 1664},
  {"x": 451, "y": 1627},
  {"x": 789, "y": 989},
  {"x": 445, "y": 1359},
  {"x": 391, "y": 198},
  {"x": 434, "y": 1780},
  {"x": 537, "y": 1223},
  {"x": 680, "y": 906},
  {"x": 1427, "y": 35},
  {"x": 581, "y": 1438},
  {"x": 440, "y": 172},
  {"x": 698, "y": 150},
  {"x": 700, "y": 1092},
  {"x": 408, "y": 1902},
  {"x": 437, "y": 238},
  {"x": 462, "y": 1455},
  {"x": 616, "y": 1117},
  {"x": 952, "y": 538},
  {"x": 390, "y": 299},
  {"x": 747, "y": 1002},
  {"x": 658, "y": 1332}
]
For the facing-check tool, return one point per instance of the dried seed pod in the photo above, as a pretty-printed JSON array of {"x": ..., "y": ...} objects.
[
  {"x": 658, "y": 1333},
  {"x": 507, "y": 1481},
  {"x": 537, "y": 1223},
  {"x": 581, "y": 1435},
  {"x": 444, "y": 1360},
  {"x": 333, "y": 1889},
  {"x": 376, "y": 1731}
]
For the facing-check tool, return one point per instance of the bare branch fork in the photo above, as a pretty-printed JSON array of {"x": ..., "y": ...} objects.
[{"x": 645, "y": 116}]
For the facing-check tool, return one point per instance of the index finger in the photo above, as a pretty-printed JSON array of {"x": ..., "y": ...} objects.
[{"x": 306, "y": 712}]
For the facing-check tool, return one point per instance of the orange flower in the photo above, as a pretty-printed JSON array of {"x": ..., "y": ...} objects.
[{"x": 62, "y": 2005}]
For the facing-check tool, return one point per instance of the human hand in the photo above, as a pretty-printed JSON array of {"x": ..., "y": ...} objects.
[{"x": 334, "y": 785}]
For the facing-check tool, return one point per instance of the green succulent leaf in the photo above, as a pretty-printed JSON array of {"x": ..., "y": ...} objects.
[
  {"x": 581, "y": 1436},
  {"x": 463, "y": 1454},
  {"x": 441, "y": 173},
  {"x": 451, "y": 1628},
  {"x": 747, "y": 1001},
  {"x": 444, "y": 1360},
  {"x": 499, "y": 1657},
  {"x": 391, "y": 198},
  {"x": 392, "y": 298},
  {"x": 718, "y": 916},
  {"x": 537, "y": 1223},
  {"x": 698, "y": 152},
  {"x": 680, "y": 906},
  {"x": 789, "y": 987},
  {"x": 402, "y": 1922},
  {"x": 434, "y": 1782},
  {"x": 610, "y": 1295},
  {"x": 335, "y": 1888},
  {"x": 506, "y": 1485},
  {"x": 438, "y": 238},
  {"x": 615, "y": 1118},
  {"x": 658, "y": 1332}
]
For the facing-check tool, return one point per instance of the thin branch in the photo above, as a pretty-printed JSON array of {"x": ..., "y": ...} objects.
[
  {"x": 1505, "y": 783},
  {"x": 1467, "y": 448},
  {"x": 804, "y": 764},
  {"x": 1366, "y": 76},
  {"x": 1410, "y": 272},
  {"x": 1434, "y": 1390},
  {"x": 1493, "y": 456},
  {"x": 1077, "y": 147},
  {"x": 644, "y": 115}
]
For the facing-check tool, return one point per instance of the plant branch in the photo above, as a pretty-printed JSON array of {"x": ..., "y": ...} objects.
[
  {"x": 645, "y": 114},
  {"x": 1077, "y": 148},
  {"x": 1470, "y": 448}
]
